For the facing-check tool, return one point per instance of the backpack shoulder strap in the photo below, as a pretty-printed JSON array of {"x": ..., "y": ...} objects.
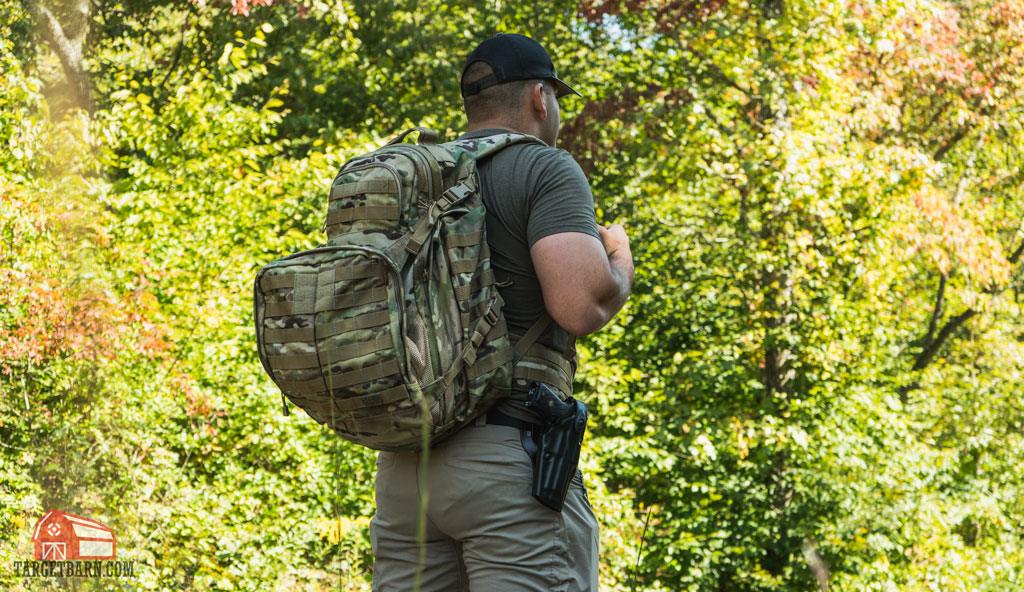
[
  {"x": 481, "y": 148},
  {"x": 532, "y": 335}
]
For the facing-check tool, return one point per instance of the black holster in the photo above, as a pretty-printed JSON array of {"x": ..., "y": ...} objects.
[{"x": 554, "y": 445}]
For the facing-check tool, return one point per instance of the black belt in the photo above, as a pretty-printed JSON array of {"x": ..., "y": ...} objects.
[{"x": 495, "y": 417}]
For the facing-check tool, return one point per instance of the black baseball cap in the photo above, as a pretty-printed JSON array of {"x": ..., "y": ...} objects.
[{"x": 512, "y": 57}]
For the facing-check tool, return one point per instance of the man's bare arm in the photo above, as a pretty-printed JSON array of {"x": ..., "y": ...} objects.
[{"x": 584, "y": 281}]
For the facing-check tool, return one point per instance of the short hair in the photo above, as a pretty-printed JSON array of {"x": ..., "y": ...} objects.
[{"x": 497, "y": 100}]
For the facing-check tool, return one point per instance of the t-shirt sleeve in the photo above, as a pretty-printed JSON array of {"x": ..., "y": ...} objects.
[{"x": 560, "y": 199}]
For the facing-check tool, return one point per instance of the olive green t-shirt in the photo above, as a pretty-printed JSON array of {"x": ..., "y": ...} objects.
[{"x": 531, "y": 191}]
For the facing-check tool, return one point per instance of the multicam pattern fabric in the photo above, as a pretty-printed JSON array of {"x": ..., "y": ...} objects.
[{"x": 391, "y": 333}]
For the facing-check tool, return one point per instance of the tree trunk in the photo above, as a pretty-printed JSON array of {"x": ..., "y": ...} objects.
[{"x": 67, "y": 43}]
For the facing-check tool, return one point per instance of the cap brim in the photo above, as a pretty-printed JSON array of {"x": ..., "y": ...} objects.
[{"x": 562, "y": 89}]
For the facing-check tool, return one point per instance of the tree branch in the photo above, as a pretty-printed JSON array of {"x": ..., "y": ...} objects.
[
  {"x": 814, "y": 561},
  {"x": 712, "y": 69},
  {"x": 726, "y": 131},
  {"x": 959, "y": 135},
  {"x": 936, "y": 312},
  {"x": 1015, "y": 256},
  {"x": 178, "y": 51},
  {"x": 930, "y": 349},
  {"x": 933, "y": 344}
]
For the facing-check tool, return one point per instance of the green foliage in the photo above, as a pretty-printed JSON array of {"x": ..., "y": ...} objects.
[
  {"x": 775, "y": 359},
  {"x": 818, "y": 368}
]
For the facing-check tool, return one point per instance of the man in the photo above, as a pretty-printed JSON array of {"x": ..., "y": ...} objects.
[{"x": 483, "y": 530}]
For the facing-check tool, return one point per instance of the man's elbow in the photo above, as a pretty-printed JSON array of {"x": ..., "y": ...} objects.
[
  {"x": 583, "y": 321},
  {"x": 585, "y": 311}
]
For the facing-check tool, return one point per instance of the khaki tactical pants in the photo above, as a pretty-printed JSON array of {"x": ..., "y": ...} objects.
[{"x": 484, "y": 530}]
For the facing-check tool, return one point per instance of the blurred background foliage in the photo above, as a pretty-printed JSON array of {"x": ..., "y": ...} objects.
[{"x": 815, "y": 383}]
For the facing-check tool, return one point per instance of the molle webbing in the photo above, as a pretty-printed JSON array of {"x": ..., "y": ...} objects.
[
  {"x": 544, "y": 364},
  {"x": 289, "y": 308},
  {"x": 354, "y": 213},
  {"x": 466, "y": 266},
  {"x": 483, "y": 366},
  {"x": 464, "y": 189},
  {"x": 479, "y": 281},
  {"x": 487, "y": 327},
  {"x": 362, "y": 187},
  {"x": 537, "y": 362},
  {"x": 309, "y": 280},
  {"x": 465, "y": 240},
  {"x": 363, "y": 321},
  {"x": 290, "y": 335},
  {"x": 332, "y": 302},
  {"x": 332, "y": 382},
  {"x": 395, "y": 325},
  {"x": 386, "y": 397}
]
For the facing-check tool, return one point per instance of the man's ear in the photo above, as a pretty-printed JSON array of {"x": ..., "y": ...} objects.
[{"x": 539, "y": 105}]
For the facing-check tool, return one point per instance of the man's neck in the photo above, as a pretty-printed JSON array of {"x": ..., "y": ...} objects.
[
  {"x": 504, "y": 125},
  {"x": 501, "y": 124}
]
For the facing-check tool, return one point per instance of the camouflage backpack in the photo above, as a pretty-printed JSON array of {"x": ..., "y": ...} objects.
[{"x": 392, "y": 332}]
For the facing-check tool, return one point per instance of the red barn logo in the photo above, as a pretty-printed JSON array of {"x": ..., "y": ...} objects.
[{"x": 61, "y": 536}]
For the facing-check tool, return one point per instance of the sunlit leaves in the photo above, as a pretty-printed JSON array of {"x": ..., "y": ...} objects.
[{"x": 815, "y": 192}]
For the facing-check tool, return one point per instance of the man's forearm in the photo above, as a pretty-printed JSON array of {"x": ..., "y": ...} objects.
[
  {"x": 584, "y": 283},
  {"x": 622, "y": 272}
]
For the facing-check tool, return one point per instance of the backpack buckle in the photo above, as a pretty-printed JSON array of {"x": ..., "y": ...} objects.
[{"x": 453, "y": 195}]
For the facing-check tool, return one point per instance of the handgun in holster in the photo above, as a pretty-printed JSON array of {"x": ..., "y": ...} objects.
[{"x": 554, "y": 445}]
